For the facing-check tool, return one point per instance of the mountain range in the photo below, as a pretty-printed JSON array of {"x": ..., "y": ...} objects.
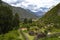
[
  {"x": 22, "y": 12},
  {"x": 41, "y": 11}
]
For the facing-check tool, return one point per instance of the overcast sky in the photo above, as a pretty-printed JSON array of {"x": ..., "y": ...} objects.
[{"x": 33, "y": 4}]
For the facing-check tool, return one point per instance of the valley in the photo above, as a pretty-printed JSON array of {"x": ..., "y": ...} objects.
[{"x": 19, "y": 24}]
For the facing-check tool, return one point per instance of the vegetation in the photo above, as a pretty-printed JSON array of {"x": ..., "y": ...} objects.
[
  {"x": 12, "y": 35},
  {"x": 46, "y": 28},
  {"x": 49, "y": 23},
  {"x": 52, "y": 16},
  {"x": 7, "y": 19},
  {"x": 0, "y": 1}
]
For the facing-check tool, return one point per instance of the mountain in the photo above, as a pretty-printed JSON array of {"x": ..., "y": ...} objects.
[
  {"x": 52, "y": 16},
  {"x": 41, "y": 11},
  {"x": 22, "y": 12}
]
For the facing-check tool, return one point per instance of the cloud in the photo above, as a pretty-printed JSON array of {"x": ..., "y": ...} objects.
[
  {"x": 13, "y": 1},
  {"x": 32, "y": 4},
  {"x": 10, "y": 1}
]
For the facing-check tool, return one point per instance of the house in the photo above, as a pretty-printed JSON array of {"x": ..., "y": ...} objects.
[{"x": 23, "y": 29}]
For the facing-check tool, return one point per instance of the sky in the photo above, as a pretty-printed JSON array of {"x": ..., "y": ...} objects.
[{"x": 33, "y": 5}]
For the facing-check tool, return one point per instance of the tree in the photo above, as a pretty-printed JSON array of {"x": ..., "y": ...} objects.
[
  {"x": 16, "y": 21},
  {"x": 25, "y": 20},
  {"x": 5, "y": 19},
  {"x": 0, "y": 1},
  {"x": 30, "y": 20}
]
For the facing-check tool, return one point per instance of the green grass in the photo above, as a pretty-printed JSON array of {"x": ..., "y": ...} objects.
[
  {"x": 21, "y": 37},
  {"x": 12, "y": 35},
  {"x": 55, "y": 30},
  {"x": 29, "y": 37},
  {"x": 51, "y": 38}
]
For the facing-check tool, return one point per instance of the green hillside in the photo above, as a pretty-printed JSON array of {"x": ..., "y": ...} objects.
[{"x": 52, "y": 16}]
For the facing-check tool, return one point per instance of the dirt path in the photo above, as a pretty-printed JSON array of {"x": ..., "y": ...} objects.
[
  {"x": 24, "y": 36},
  {"x": 29, "y": 36}
]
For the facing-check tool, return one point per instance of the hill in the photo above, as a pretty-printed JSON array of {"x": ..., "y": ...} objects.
[{"x": 52, "y": 16}]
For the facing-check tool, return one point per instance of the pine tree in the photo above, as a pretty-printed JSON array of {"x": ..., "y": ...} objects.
[
  {"x": 5, "y": 19},
  {"x": 30, "y": 20},
  {"x": 0, "y": 1},
  {"x": 16, "y": 20},
  {"x": 25, "y": 20}
]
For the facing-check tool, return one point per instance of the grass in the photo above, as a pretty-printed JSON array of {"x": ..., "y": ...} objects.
[
  {"x": 12, "y": 35},
  {"x": 55, "y": 30},
  {"x": 21, "y": 37},
  {"x": 51, "y": 38},
  {"x": 29, "y": 37}
]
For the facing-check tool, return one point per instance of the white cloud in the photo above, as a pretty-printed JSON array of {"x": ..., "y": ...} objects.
[{"x": 38, "y": 3}]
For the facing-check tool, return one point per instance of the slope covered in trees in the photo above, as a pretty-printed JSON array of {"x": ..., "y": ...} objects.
[
  {"x": 7, "y": 19},
  {"x": 52, "y": 16}
]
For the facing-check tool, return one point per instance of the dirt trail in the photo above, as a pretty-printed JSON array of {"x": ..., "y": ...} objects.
[{"x": 24, "y": 36}]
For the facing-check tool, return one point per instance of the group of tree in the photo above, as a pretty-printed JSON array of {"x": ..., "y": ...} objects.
[
  {"x": 0, "y": 1},
  {"x": 52, "y": 16},
  {"x": 8, "y": 21},
  {"x": 27, "y": 21}
]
